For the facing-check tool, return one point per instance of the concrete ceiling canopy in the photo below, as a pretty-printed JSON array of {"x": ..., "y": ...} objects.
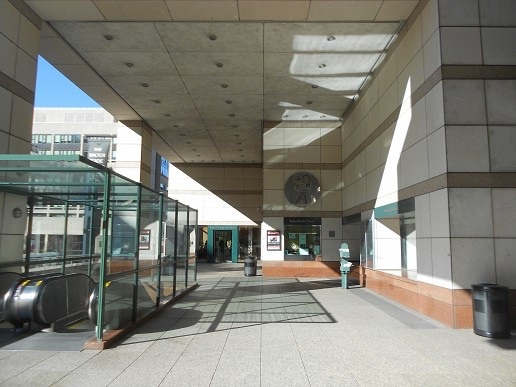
[{"x": 218, "y": 69}]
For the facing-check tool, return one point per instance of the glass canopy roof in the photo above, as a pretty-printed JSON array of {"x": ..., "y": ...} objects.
[{"x": 70, "y": 178}]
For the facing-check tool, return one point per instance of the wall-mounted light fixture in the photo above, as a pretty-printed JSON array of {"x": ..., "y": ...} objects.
[{"x": 17, "y": 213}]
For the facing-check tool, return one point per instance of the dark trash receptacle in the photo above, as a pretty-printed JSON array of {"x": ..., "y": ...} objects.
[
  {"x": 491, "y": 311},
  {"x": 250, "y": 264}
]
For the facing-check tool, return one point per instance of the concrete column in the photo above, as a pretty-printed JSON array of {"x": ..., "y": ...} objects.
[
  {"x": 134, "y": 151},
  {"x": 479, "y": 90}
]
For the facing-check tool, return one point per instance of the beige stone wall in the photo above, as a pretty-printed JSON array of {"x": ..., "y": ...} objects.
[
  {"x": 290, "y": 147},
  {"x": 19, "y": 45},
  {"x": 313, "y": 147},
  {"x": 220, "y": 187},
  {"x": 437, "y": 124},
  {"x": 135, "y": 151}
]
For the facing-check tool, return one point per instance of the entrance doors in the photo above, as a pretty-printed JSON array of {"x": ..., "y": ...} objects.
[{"x": 222, "y": 240}]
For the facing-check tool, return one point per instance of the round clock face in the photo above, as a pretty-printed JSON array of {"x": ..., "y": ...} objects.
[{"x": 302, "y": 189}]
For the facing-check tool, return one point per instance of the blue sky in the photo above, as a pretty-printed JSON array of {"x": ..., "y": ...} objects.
[{"x": 53, "y": 89}]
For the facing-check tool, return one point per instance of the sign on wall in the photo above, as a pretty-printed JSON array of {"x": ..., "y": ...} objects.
[
  {"x": 145, "y": 239},
  {"x": 273, "y": 240},
  {"x": 98, "y": 150}
]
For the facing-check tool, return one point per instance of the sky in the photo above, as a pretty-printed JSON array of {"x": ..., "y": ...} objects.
[{"x": 53, "y": 89}]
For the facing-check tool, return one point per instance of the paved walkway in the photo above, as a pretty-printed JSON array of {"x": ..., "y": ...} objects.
[{"x": 250, "y": 331}]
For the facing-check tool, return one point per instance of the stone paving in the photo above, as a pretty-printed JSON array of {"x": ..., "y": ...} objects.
[{"x": 252, "y": 331}]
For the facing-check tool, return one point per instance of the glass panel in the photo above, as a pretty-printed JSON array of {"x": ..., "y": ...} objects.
[
  {"x": 169, "y": 228},
  {"x": 123, "y": 241},
  {"x": 167, "y": 280},
  {"x": 95, "y": 269},
  {"x": 182, "y": 231},
  {"x": 180, "y": 275},
  {"x": 47, "y": 231},
  {"x": 148, "y": 243},
  {"x": 192, "y": 271},
  {"x": 394, "y": 235},
  {"x": 78, "y": 265},
  {"x": 147, "y": 291},
  {"x": 119, "y": 302},
  {"x": 149, "y": 240},
  {"x": 182, "y": 247},
  {"x": 366, "y": 252},
  {"x": 192, "y": 260}
]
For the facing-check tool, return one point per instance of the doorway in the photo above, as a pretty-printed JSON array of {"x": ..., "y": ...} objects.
[{"x": 222, "y": 245}]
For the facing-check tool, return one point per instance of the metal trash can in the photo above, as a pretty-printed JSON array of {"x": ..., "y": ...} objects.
[
  {"x": 250, "y": 264},
  {"x": 491, "y": 311}
]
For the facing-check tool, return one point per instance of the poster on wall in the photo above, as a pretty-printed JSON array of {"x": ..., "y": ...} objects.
[
  {"x": 273, "y": 240},
  {"x": 145, "y": 240}
]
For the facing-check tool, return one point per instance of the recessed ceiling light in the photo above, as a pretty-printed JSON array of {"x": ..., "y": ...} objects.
[
  {"x": 145, "y": 85},
  {"x": 232, "y": 114},
  {"x": 285, "y": 116},
  {"x": 224, "y": 86},
  {"x": 308, "y": 102},
  {"x": 212, "y": 37},
  {"x": 305, "y": 116},
  {"x": 219, "y": 64},
  {"x": 129, "y": 64},
  {"x": 322, "y": 116},
  {"x": 229, "y": 102},
  {"x": 108, "y": 37},
  {"x": 322, "y": 65},
  {"x": 314, "y": 86},
  {"x": 330, "y": 38},
  {"x": 156, "y": 101}
]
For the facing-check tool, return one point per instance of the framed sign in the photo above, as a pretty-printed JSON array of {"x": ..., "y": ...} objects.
[
  {"x": 273, "y": 240},
  {"x": 145, "y": 240}
]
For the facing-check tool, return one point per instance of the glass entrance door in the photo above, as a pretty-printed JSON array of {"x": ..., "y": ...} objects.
[{"x": 222, "y": 245}]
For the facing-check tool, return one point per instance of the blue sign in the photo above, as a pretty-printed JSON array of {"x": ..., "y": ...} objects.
[{"x": 164, "y": 167}]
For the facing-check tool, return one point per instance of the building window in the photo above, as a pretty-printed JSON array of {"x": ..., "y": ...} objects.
[
  {"x": 41, "y": 138},
  {"x": 67, "y": 138},
  {"x": 394, "y": 238},
  {"x": 302, "y": 238}
]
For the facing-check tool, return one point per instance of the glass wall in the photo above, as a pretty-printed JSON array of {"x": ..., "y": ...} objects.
[
  {"x": 193, "y": 241},
  {"x": 389, "y": 239},
  {"x": 136, "y": 244},
  {"x": 183, "y": 247}
]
